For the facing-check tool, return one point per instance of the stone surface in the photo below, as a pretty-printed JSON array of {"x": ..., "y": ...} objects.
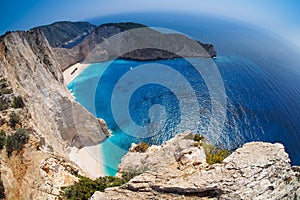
[
  {"x": 131, "y": 41},
  {"x": 60, "y": 126},
  {"x": 66, "y": 34},
  {"x": 35, "y": 174},
  {"x": 256, "y": 171},
  {"x": 28, "y": 62},
  {"x": 176, "y": 152}
]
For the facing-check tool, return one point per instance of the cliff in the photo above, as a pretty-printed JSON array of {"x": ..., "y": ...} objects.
[
  {"x": 65, "y": 34},
  {"x": 178, "y": 170},
  {"x": 131, "y": 41},
  {"x": 64, "y": 126},
  {"x": 35, "y": 174}
]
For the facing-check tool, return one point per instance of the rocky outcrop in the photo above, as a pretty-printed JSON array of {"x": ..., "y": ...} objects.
[
  {"x": 30, "y": 173},
  {"x": 175, "y": 153},
  {"x": 177, "y": 170},
  {"x": 28, "y": 62},
  {"x": 60, "y": 129},
  {"x": 131, "y": 41},
  {"x": 35, "y": 174}
]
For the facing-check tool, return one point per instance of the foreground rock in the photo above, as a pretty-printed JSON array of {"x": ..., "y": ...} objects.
[
  {"x": 178, "y": 170},
  {"x": 35, "y": 174}
]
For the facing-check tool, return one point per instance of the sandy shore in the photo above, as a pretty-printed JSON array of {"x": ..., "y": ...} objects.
[
  {"x": 73, "y": 71},
  {"x": 89, "y": 159}
]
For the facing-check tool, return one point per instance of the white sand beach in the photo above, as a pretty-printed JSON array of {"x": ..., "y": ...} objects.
[
  {"x": 73, "y": 71},
  {"x": 89, "y": 159}
]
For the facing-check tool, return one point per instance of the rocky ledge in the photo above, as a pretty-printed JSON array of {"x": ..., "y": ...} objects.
[{"x": 178, "y": 170}]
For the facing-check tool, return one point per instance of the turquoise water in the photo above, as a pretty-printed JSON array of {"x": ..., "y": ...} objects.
[{"x": 261, "y": 80}]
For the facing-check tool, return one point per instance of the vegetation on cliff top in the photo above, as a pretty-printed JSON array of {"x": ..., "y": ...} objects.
[
  {"x": 142, "y": 147},
  {"x": 85, "y": 187},
  {"x": 2, "y": 139},
  {"x": 16, "y": 141},
  {"x": 14, "y": 119},
  {"x": 2, "y": 190},
  {"x": 10, "y": 100},
  {"x": 4, "y": 89},
  {"x": 13, "y": 141},
  {"x": 213, "y": 153},
  {"x": 17, "y": 102}
]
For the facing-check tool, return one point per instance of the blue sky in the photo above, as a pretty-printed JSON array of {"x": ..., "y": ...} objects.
[{"x": 279, "y": 16}]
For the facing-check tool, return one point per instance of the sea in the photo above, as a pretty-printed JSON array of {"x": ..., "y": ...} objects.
[{"x": 249, "y": 92}]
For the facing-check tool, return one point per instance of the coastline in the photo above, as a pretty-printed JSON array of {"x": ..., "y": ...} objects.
[
  {"x": 89, "y": 154},
  {"x": 73, "y": 71},
  {"x": 93, "y": 155}
]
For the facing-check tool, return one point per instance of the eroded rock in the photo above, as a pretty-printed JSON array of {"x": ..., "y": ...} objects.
[{"x": 256, "y": 171}]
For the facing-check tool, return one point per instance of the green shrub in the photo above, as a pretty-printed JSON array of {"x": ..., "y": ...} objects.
[
  {"x": 13, "y": 119},
  {"x": 218, "y": 156},
  {"x": 2, "y": 80},
  {"x": 85, "y": 187},
  {"x": 214, "y": 154},
  {"x": 17, "y": 102},
  {"x": 295, "y": 197},
  {"x": 3, "y": 106},
  {"x": 195, "y": 137},
  {"x": 2, "y": 190},
  {"x": 3, "y": 85},
  {"x": 6, "y": 91},
  {"x": 2, "y": 139},
  {"x": 142, "y": 147},
  {"x": 127, "y": 176},
  {"x": 198, "y": 137},
  {"x": 16, "y": 141}
]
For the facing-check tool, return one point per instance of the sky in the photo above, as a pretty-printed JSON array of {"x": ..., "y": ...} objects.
[{"x": 282, "y": 17}]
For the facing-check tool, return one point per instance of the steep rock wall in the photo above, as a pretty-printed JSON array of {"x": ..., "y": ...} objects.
[{"x": 28, "y": 62}]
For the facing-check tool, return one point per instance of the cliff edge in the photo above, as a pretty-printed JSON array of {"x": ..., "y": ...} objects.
[{"x": 178, "y": 170}]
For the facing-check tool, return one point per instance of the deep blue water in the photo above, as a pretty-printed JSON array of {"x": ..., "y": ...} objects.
[{"x": 260, "y": 75}]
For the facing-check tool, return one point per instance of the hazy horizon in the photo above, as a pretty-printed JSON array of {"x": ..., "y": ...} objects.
[{"x": 280, "y": 17}]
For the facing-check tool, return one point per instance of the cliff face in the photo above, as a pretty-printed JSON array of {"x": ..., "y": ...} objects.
[
  {"x": 28, "y": 62},
  {"x": 178, "y": 170},
  {"x": 66, "y": 34},
  {"x": 131, "y": 41},
  {"x": 35, "y": 174}
]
